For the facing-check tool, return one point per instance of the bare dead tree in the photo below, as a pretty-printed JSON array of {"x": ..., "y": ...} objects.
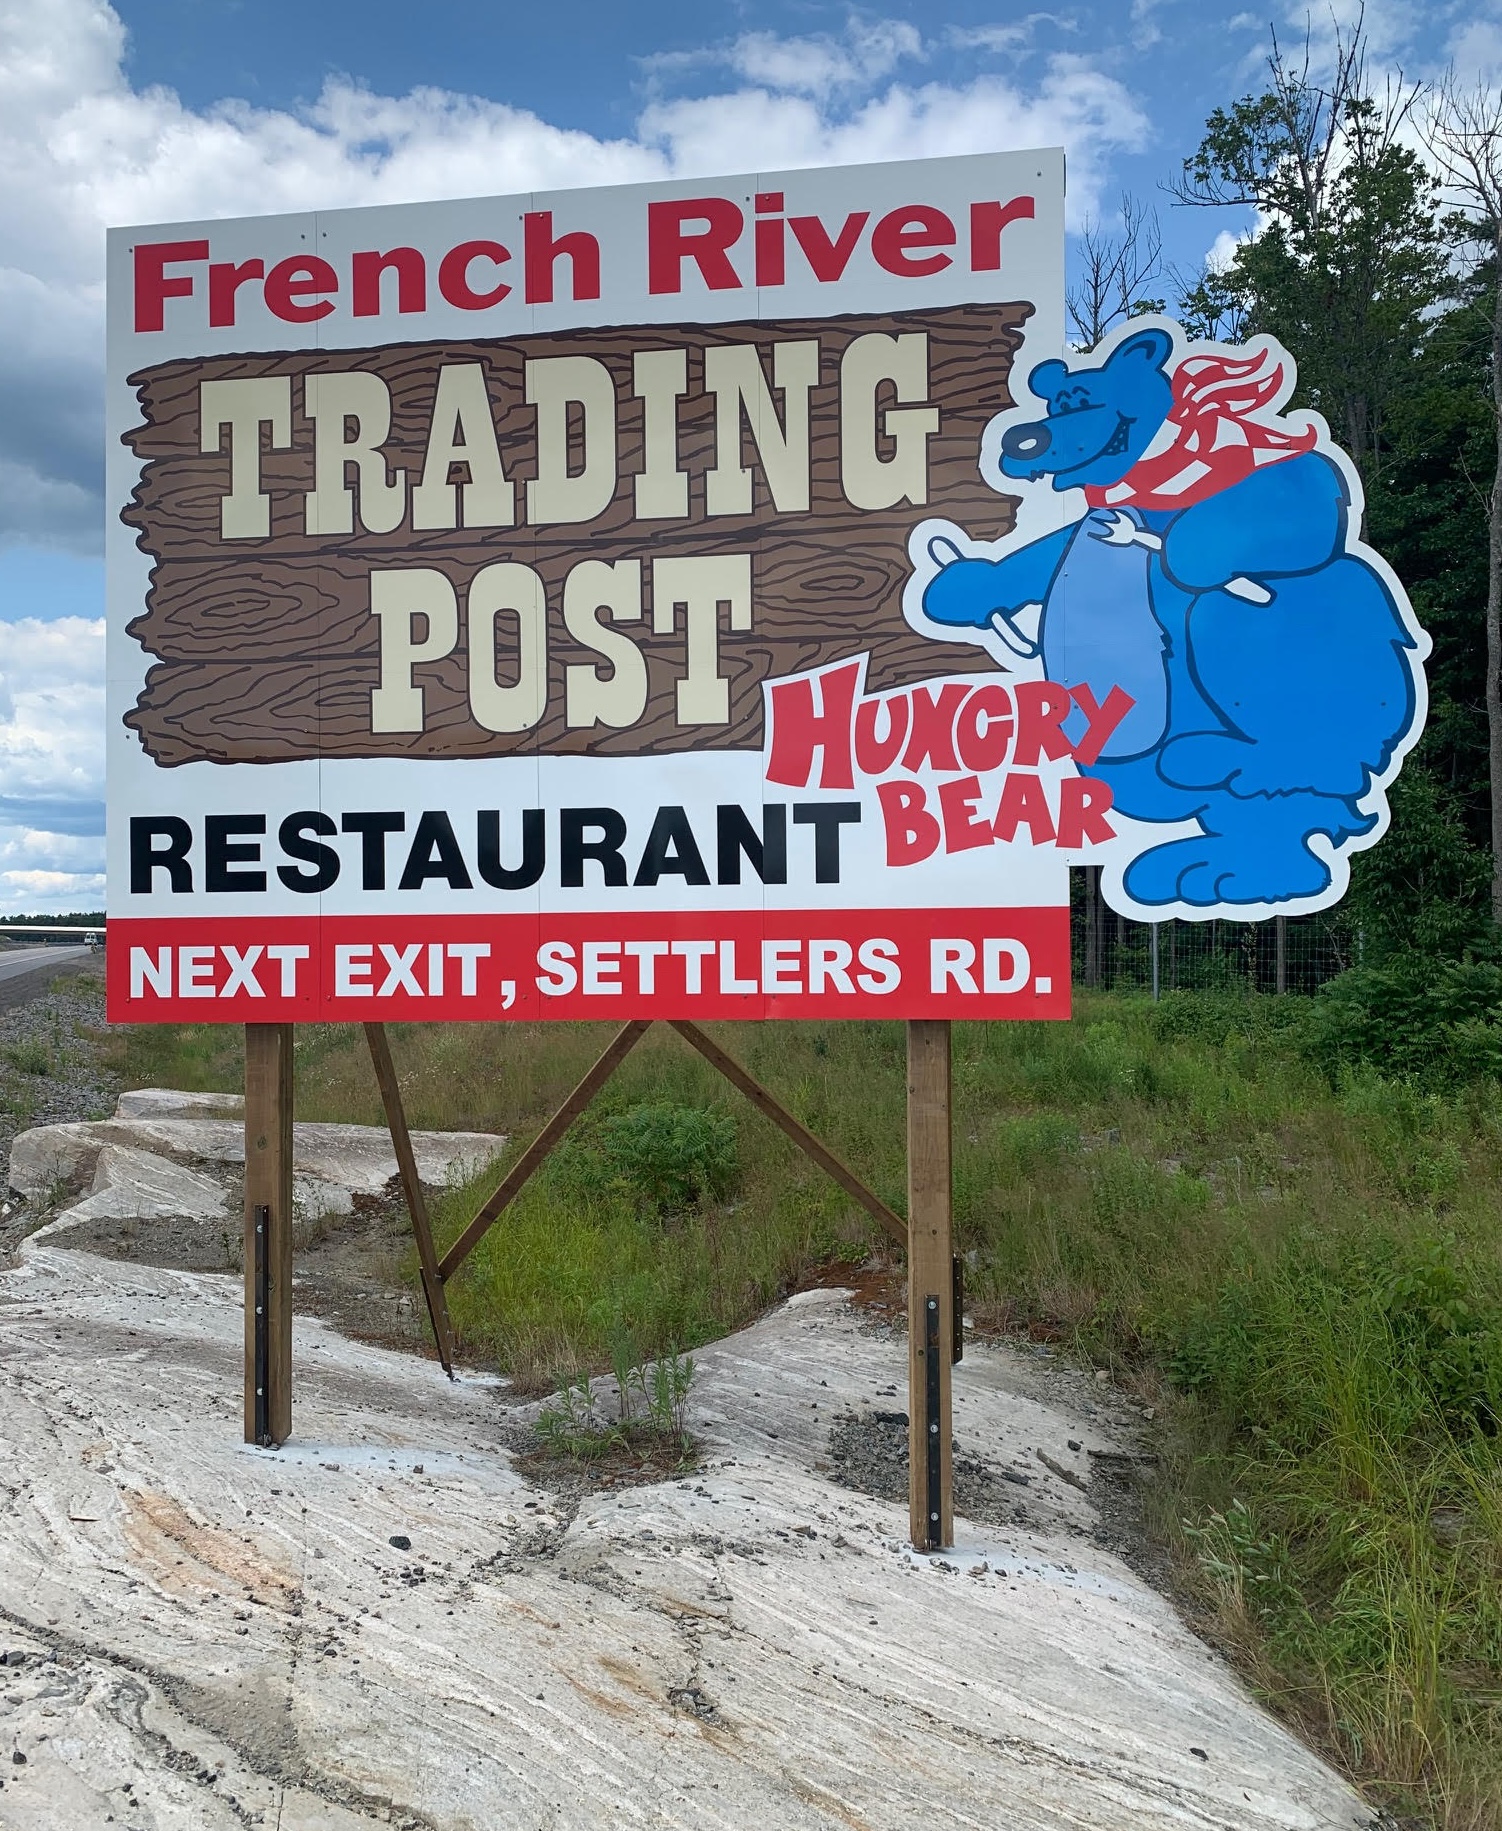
[
  {"x": 1284, "y": 151},
  {"x": 1463, "y": 130},
  {"x": 1114, "y": 271}
]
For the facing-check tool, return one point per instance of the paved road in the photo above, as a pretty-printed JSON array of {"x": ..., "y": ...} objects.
[{"x": 15, "y": 964}]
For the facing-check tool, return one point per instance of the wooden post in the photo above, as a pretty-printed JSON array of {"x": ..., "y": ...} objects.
[
  {"x": 930, "y": 1275},
  {"x": 1280, "y": 963},
  {"x": 417, "y": 1207},
  {"x": 268, "y": 1231}
]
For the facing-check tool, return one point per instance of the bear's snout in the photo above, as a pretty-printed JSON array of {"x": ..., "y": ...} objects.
[{"x": 1026, "y": 443}]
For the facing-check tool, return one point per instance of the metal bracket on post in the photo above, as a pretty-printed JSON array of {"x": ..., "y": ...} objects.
[
  {"x": 931, "y": 1420},
  {"x": 262, "y": 1418}
]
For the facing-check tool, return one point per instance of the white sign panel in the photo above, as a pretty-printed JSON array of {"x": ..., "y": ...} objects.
[{"x": 514, "y": 609}]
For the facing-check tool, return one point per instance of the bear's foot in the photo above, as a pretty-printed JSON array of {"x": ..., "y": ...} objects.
[{"x": 1213, "y": 869}]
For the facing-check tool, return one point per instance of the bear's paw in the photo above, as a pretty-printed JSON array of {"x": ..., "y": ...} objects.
[{"x": 1209, "y": 870}]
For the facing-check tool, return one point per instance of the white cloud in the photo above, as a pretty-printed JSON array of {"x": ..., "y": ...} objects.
[
  {"x": 1475, "y": 50},
  {"x": 1398, "y": 33},
  {"x": 1146, "y": 32},
  {"x": 868, "y": 52},
  {"x": 1222, "y": 251},
  {"x": 1075, "y": 105},
  {"x": 52, "y": 676},
  {"x": 51, "y": 763},
  {"x": 26, "y": 892},
  {"x": 819, "y": 64},
  {"x": 1015, "y": 37},
  {"x": 1389, "y": 26},
  {"x": 81, "y": 148}
]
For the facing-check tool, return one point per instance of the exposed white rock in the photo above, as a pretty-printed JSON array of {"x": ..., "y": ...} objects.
[
  {"x": 131, "y": 1185},
  {"x": 50, "y": 1163},
  {"x": 234, "y": 1634},
  {"x": 122, "y": 1166},
  {"x": 173, "y": 1103}
]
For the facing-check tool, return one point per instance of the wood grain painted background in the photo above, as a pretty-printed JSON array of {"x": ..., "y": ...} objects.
[{"x": 267, "y": 650}]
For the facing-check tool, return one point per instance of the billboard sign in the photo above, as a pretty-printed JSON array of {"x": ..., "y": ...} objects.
[
  {"x": 698, "y": 600},
  {"x": 507, "y": 608}
]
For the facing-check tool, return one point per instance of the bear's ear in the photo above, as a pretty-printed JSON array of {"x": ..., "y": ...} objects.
[
  {"x": 1047, "y": 378},
  {"x": 1150, "y": 347}
]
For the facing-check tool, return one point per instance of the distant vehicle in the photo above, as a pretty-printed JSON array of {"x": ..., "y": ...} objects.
[{"x": 94, "y": 940}]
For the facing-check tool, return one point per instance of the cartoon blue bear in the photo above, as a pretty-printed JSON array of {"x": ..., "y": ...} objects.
[{"x": 1215, "y": 577}]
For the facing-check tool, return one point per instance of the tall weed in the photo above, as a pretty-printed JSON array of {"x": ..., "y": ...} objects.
[{"x": 1355, "y": 1386}]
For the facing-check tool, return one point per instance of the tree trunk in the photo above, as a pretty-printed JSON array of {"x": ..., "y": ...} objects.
[
  {"x": 1093, "y": 937},
  {"x": 1494, "y": 608}
]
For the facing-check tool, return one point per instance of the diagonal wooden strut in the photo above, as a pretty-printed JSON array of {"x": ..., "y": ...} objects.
[
  {"x": 622, "y": 1045},
  {"x": 417, "y": 1207},
  {"x": 800, "y": 1135},
  {"x": 516, "y": 1177}
]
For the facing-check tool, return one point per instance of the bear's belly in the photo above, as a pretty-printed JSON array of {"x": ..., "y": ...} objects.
[
  {"x": 1099, "y": 631},
  {"x": 1319, "y": 681}
]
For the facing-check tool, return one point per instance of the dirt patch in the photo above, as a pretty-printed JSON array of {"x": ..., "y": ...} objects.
[
  {"x": 349, "y": 1270},
  {"x": 166, "y": 1240},
  {"x": 877, "y": 1287},
  {"x": 635, "y": 1462}
]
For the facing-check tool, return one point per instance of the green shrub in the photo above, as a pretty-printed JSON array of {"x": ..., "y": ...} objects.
[
  {"x": 1349, "y": 1527},
  {"x": 1219, "y": 1017},
  {"x": 651, "y": 1412},
  {"x": 1438, "y": 1022},
  {"x": 1450, "y": 1331},
  {"x": 659, "y": 1156}
]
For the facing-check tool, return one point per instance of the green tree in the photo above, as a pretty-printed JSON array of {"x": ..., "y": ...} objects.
[
  {"x": 1348, "y": 255},
  {"x": 1424, "y": 514},
  {"x": 1350, "y": 265}
]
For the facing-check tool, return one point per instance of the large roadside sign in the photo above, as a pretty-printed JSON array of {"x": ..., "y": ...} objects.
[{"x": 512, "y": 609}]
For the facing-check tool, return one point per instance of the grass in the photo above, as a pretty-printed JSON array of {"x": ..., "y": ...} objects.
[
  {"x": 1305, "y": 1280},
  {"x": 642, "y": 1432}
]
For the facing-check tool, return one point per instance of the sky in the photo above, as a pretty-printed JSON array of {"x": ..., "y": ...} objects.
[{"x": 161, "y": 110}]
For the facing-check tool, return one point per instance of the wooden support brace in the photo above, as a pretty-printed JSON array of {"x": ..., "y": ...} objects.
[
  {"x": 268, "y": 1233},
  {"x": 517, "y": 1176},
  {"x": 766, "y": 1105},
  {"x": 931, "y": 1280},
  {"x": 417, "y": 1207}
]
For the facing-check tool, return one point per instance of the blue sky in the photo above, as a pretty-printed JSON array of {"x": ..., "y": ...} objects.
[
  {"x": 158, "y": 109},
  {"x": 592, "y": 66}
]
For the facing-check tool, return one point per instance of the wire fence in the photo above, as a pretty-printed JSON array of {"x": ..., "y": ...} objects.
[{"x": 1285, "y": 954}]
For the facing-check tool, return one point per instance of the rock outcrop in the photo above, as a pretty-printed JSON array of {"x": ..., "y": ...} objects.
[{"x": 167, "y": 1153}]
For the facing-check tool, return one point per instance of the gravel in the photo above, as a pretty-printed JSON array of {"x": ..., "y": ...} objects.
[
  {"x": 52, "y": 1070},
  {"x": 869, "y": 1453}
]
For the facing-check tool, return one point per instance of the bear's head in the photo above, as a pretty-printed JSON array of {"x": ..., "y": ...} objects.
[{"x": 1100, "y": 419}]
